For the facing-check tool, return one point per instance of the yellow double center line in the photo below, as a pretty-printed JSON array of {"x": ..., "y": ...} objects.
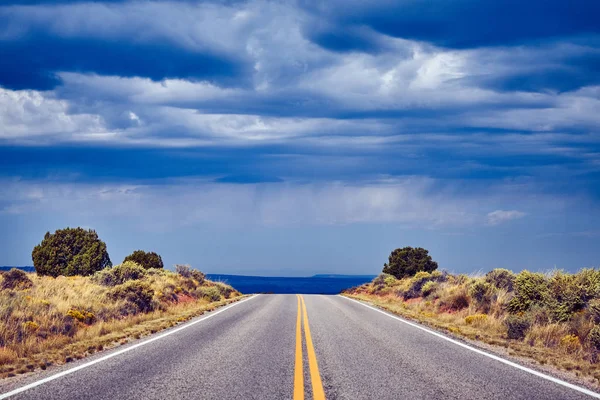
[{"x": 315, "y": 377}]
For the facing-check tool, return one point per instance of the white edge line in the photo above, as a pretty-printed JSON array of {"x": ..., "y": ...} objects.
[
  {"x": 493, "y": 357},
  {"x": 119, "y": 352}
]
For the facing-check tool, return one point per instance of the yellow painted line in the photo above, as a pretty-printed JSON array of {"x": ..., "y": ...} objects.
[
  {"x": 298, "y": 368},
  {"x": 315, "y": 377}
]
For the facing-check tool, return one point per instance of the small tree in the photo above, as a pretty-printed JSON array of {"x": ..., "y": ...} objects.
[
  {"x": 70, "y": 251},
  {"x": 145, "y": 259},
  {"x": 408, "y": 261}
]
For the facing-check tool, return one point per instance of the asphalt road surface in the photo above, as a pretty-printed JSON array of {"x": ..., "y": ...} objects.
[{"x": 292, "y": 347}]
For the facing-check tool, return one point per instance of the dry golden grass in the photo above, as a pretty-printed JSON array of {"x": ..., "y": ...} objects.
[
  {"x": 559, "y": 344},
  {"x": 60, "y": 319}
]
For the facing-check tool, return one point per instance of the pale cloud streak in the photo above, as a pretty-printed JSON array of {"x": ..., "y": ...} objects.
[
  {"x": 501, "y": 216},
  {"x": 412, "y": 202}
]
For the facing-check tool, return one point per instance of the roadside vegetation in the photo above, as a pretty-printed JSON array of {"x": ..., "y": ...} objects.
[
  {"x": 551, "y": 318},
  {"x": 72, "y": 308}
]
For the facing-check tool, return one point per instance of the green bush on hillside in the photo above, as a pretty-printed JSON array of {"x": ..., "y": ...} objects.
[
  {"x": 70, "y": 251},
  {"x": 138, "y": 296},
  {"x": 119, "y": 274},
  {"x": 146, "y": 259},
  {"x": 480, "y": 291},
  {"x": 422, "y": 284},
  {"x": 224, "y": 289},
  {"x": 594, "y": 337},
  {"x": 382, "y": 278},
  {"x": 383, "y": 283},
  {"x": 15, "y": 279},
  {"x": 594, "y": 310},
  {"x": 429, "y": 288},
  {"x": 501, "y": 278},
  {"x": 517, "y": 326},
  {"x": 417, "y": 283},
  {"x": 188, "y": 272},
  {"x": 406, "y": 262},
  {"x": 589, "y": 281},
  {"x": 211, "y": 293},
  {"x": 530, "y": 288},
  {"x": 566, "y": 296}
]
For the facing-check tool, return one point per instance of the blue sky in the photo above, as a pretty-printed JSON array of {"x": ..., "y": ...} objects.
[{"x": 300, "y": 137}]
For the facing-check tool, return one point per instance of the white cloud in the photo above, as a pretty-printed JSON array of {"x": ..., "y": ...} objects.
[
  {"x": 28, "y": 115},
  {"x": 38, "y": 118},
  {"x": 570, "y": 110},
  {"x": 144, "y": 91},
  {"x": 500, "y": 216},
  {"x": 297, "y": 89}
]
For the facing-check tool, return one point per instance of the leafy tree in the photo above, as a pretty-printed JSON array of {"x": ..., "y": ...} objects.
[
  {"x": 408, "y": 261},
  {"x": 145, "y": 259},
  {"x": 70, "y": 251}
]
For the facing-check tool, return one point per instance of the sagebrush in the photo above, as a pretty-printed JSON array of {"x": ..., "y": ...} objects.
[
  {"x": 47, "y": 319},
  {"x": 557, "y": 313}
]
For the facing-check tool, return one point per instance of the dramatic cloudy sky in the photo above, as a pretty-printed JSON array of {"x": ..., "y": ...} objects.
[{"x": 296, "y": 137}]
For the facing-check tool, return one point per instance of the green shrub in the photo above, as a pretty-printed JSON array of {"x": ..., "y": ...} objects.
[
  {"x": 188, "y": 272},
  {"x": 381, "y": 279},
  {"x": 119, "y": 274},
  {"x": 566, "y": 296},
  {"x": 416, "y": 285},
  {"x": 594, "y": 310},
  {"x": 225, "y": 290},
  {"x": 501, "y": 278},
  {"x": 439, "y": 276},
  {"x": 408, "y": 261},
  {"x": 211, "y": 293},
  {"x": 136, "y": 293},
  {"x": 480, "y": 291},
  {"x": 530, "y": 289},
  {"x": 589, "y": 281},
  {"x": 517, "y": 326},
  {"x": 594, "y": 338},
  {"x": 146, "y": 259},
  {"x": 428, "y": 288},
  {"x": 106, "y": 277},
  {"x": 390, "y": 281},
  {"x": 70, "y": 251},
  {"x": 15, "y": 279}
]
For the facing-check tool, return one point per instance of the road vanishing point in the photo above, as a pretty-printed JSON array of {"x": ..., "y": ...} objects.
[{"x": 294, "y": 347}]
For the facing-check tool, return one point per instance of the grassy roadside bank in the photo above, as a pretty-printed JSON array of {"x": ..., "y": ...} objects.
[
  {"x": 551, "y": 319},
  {"x": 46, "y": 321}
]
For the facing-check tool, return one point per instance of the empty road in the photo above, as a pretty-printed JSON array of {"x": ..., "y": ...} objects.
[{"x": 291, "y": 347}]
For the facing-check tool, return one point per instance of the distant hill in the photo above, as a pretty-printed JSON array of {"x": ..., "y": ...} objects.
[{"x": 24, "y": 268}]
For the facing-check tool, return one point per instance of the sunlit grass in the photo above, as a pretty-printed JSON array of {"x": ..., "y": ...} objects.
[
  {"x": 57, "y": 320},
  {"x": 473, "y": 308}
]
